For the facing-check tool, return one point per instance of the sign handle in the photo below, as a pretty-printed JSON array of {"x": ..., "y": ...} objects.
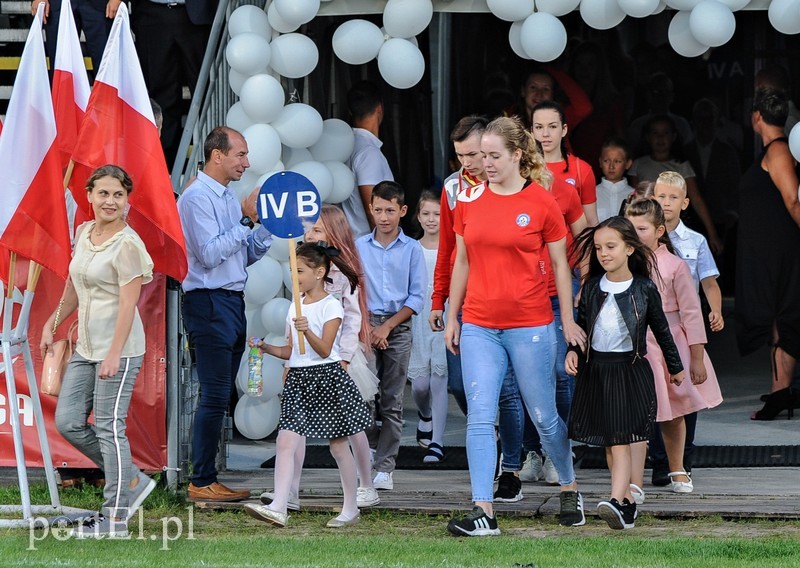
[{"x": 301, "y": 341}]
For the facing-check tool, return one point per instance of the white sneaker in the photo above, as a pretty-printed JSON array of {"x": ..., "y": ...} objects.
[
  {"x": 549, "y": 471},
  {"x": 292, "y": 504},
  {"x": 383, "y": 480},
  {"x": 366, "y": 497},
  {"x": 532, "y": 468}
]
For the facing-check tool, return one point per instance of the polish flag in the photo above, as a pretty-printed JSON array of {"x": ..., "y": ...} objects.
[
  {"x": 119, "y": 128},
  {"x": 70, "y": 83},
  {"x": 33, "y": 215}
]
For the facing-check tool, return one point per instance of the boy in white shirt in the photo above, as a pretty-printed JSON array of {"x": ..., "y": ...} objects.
[{"x": 613, "y": 188}]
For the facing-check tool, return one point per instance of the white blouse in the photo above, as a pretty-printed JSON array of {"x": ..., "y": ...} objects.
[
  {"x": 97, "y": 273},
  {"x": 610, "y": 332}
]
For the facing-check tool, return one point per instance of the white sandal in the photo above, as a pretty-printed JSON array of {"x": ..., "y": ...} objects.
[
  {"x": 638, "y": 494},
  {"x": 681, "y": 486}
]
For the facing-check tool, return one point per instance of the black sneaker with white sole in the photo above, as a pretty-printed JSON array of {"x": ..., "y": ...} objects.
[
  {"x": 509, "y": 488},
  {"x": 476, "y": 523},
  {"x": 618, "y": 516},
  {"x": 571, "y": 513}
]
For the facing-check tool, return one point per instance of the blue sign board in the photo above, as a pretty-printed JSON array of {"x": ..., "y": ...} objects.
[{"x": 288, "y": 203}]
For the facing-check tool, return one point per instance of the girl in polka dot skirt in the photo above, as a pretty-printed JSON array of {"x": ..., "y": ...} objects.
[{"x": 320, "y": 399}]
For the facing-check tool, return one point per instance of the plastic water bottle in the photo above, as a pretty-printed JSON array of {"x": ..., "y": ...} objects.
[{"x": 255, "y": 382}]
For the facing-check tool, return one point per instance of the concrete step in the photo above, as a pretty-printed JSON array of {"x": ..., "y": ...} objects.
[{"x": 15, "y": 7}]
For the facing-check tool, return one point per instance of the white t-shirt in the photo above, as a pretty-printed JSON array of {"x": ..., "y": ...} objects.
[
  {"x": 610, "y": 333},
  {"x": 647, "y": 169},
  {"x": 370, "y": 168},
  {"x": 318, "y": 314}
]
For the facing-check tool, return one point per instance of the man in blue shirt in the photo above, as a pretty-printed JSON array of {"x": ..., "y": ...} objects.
[
  {"x": 394, "y": 267},
  {"x": 220, "y": 244}
]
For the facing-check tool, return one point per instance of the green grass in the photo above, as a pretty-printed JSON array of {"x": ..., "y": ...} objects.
[{"x": 232, "y": 539}]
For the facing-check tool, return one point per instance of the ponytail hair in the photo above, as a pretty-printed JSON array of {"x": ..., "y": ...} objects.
[
  {"x": 553, "y": 105},
  {"x": 641, "y": 262},
  {"x": 651, "y": 209},
  {"x": 322, "y": 254},
  {"x": 531, "y": 165}
]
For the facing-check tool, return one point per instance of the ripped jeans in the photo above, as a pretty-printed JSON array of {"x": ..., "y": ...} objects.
[{"x": 485, "y": 354}]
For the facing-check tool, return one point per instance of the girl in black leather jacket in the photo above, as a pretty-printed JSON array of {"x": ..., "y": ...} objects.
[{"x": 615, "y": 400}]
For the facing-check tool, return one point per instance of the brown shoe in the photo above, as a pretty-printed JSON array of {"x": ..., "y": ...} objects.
[{"x": 216, "y": 492}]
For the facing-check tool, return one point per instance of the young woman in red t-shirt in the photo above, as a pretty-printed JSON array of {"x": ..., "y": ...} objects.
[
  {"x": 550, "y": 131},
  {"x": 502, "y": 227}
]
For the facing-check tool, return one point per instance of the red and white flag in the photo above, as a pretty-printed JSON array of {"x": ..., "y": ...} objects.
[
  {"x": 33, "y": 215},
  {"x": 70, "y": 83},
  {"x": 119, "y": 128}
]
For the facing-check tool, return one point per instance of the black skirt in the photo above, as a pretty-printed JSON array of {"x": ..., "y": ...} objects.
[
  {"x": 614, "y": 401},
  {"x": 322, "y": 401}
]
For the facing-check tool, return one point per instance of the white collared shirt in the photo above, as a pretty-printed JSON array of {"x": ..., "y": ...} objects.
[
  {"x": 610, "y": 196},
  {"x": 693, "y": 248}
]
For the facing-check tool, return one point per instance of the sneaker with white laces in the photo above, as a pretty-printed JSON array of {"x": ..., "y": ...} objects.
[
  {"x": 144, "y": 486},
  {"x": 383, "y": 480},
  {"x": 571, "y": 513},
  {"x": 292, "y": 504},
  {"x": 367, "y": 497},
  {"x": 100, "y": 526},
  {"x": 532, "y": 468},
  {"x": 475, "y": 523},
  {"x": 549, "y": 472},
  {"x": 509, "y": 488}
]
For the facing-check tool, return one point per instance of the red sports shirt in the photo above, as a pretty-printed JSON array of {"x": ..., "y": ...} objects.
[{"x": 579, "y": 175}]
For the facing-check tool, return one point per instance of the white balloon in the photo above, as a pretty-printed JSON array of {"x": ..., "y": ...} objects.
[
  {"x": 287, "y": 274},
  {"x": 661, "y": 7},
  {"x": 245, "y": 186},
  {"x": 249, "y": 19},
  {"x": 293, "y": 156},
  {"x": 296, "y": 12},
  {"x": 400, "y": 63},
  {"x": 407, "y": 18},
  {"x": 257, "y": 417},
  {"x": 638, "y": 8},
  {"x": 335, "y": 143},
  {"x": 277, "y": 339},
  {"x": 794, "y": 141},
  {"x": 543, "y": 37},
  {"x": 357, "y": 41},
  {"x": 236, "y": 80},
  {"x": 682, "y": 4},
  {"x": 784, "y": 15},
  {"x": 515, "y": 39},
  {"x": 264, "y": 147},
  {"x": 344, "y": 181},
  {"x": 273, "y": 313},
  {"x": 263, "y": 280},
  {"x": 601, "y": 14},
  {"x": 299, "y": 125},
  {"x": 735, "y": 4},
  {"x": 248, "y": 53},
  {"x": 277, "y": 22},
  {"x": 511, "y": 10},
  {"x": 254, "y": 326},
  {"x": 294, "y": 55},
  {"x": 712, "y": 23},
  {"x": 262, "y": 97},
  {"x": 237, "y": 118},
  {"x": 279, "y": 249},
  {"x": 557, "y": 7},
  {"x": 681, "y": 38},
  {"x": 318, "y": 175}
]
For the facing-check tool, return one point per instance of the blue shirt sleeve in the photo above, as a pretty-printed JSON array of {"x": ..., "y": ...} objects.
[
  {"x": 706, "y": 266},
  {"x": 417, "y": 279},
  {"x": 205, "y": 238},
  {"x": 258, "y": 242}
]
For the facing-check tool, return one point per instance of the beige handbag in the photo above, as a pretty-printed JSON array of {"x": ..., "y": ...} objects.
[{"x": 54, "y": 363}]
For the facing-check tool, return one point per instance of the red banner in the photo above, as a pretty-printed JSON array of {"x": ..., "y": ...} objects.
[{"x": 147, "y": 415}]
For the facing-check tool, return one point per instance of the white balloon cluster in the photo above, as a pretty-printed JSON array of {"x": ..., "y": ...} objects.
[
  {"x": 400, "y": 61},
  {"x": 263, "y": 46}
]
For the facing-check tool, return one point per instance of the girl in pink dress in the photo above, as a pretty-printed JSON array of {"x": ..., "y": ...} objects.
[{"x": 681, "y": 305}]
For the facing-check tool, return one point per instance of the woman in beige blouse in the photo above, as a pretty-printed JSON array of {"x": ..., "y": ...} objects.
[{"x": 109, "y": 266}]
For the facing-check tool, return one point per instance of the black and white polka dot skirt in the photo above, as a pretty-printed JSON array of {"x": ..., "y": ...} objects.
[{"x": 322, "y": 401}]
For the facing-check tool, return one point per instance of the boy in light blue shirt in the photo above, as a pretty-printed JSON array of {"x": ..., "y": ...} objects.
[{"x": 396, "y": 279}]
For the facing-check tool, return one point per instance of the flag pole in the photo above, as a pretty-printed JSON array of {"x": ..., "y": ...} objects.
[
  {"x": 12, "y": 269},
  {"x": 34, "y": 271},
  {"x": 68, "y": 174},
  {"x": 301, "y": 340}
]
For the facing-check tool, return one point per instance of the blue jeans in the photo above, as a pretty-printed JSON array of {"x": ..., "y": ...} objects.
[
  {"x": 215, "y": 322},
  {"x": 511, "y": 422},
  {"x": 485, "y": 354},
  {"x": 565, "y": 384},
  {"x": 455, "y": 380}
]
